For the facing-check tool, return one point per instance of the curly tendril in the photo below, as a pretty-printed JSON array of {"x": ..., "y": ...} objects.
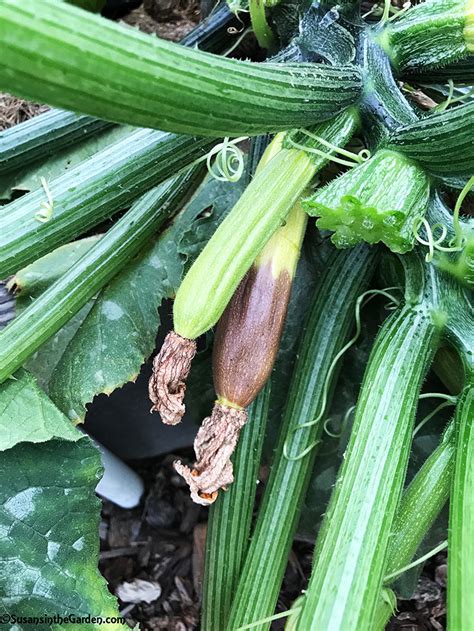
[
  {"x": 457, "y": 243},
  {"x": 229, "y": 161},
  {"x": 353, "y": 158}
]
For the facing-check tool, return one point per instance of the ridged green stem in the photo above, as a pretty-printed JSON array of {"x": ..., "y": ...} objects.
[
  {"x": 461, "y": 72},
  {"x": 91, "y": 192},
  {"x": 430, "y": 34},
  {"x": 262, "y": 208},
  {"x": 350, "y": 551},
  {"x": 80, "y": 61},
  {"x": 461, "y": 518},
  {"x": 230, "y": 519},
  {"x": 46, "y": 315},
  {"x": 443, "y": 143},
  {"x": 330, "y": 321},
  {"x": 421, "y": 503},
  {"x": 42, "y": 136}
]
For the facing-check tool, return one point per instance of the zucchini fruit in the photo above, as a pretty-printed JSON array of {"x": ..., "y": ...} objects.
[
  {"x": 215, "y": 275},
  {"x": 245, "y": 348}
]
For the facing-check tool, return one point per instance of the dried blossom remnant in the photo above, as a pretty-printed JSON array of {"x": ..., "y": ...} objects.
[
  {"x": 167, "y": 383},
  {"x": 214, "y": 445}
]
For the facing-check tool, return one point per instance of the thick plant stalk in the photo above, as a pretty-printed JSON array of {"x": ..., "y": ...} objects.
[
  {"x": 47, "y": 314},
  {"x": 421, "y": 503},
  {"x": 461, "y": 516},
  {"x": 60, "y": 55},
  {"x": 442, "y": 142},
  {"x": 215, "y": 275},
  {"x": 42, "y": 136},
  {"x": 245, "y": 348},
  {"x": 230, "y": 519},
  {"x": 429, "y": 35},
  {"x": 349, "y": 558},
  {"x": 330, "y": 321},
  {"x": 91, "y": 192}
]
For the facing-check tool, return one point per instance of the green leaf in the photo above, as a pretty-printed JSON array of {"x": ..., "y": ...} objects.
[
  {"x": 28, "y": 415},
  {"x": 49, "y": 518}
]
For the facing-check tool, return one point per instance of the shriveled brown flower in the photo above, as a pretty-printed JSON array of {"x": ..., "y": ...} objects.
[
  {"x": 168, "y": 382},
  {"x": 214, "y": 445}
]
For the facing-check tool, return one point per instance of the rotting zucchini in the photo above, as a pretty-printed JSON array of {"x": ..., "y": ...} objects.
[
  {"x": 245, "y": 348},
  {"x": 215, "y": 275}
]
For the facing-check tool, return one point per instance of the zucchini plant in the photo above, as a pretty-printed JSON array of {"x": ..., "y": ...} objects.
[{"x": 350, "y": 191}]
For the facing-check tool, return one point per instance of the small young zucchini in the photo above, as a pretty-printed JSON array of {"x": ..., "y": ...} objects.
[
  {"x": 215, "y": 275},
  {"x": 245, "y": 348},
  {"x": 380, "y": 200}
]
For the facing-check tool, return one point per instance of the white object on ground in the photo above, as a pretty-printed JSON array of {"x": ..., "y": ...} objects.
[
  {"x": 138, "y": 591},
  {"x": 120, "y": 484}
]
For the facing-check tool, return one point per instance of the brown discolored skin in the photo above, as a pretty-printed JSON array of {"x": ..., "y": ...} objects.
[{"x": 248, "y": 335}]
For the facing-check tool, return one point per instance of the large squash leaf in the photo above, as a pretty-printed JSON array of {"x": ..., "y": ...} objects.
[
  {"x": 49, "y": 514},
  {"x": 49, "y": 519}
]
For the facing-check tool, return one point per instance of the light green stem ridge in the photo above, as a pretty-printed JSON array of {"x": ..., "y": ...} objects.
[
  {"x": 42, "y": 136},
  {"x": 429, "y": 35},
  {"x": 91, "y": 192},
  {"x": 263, "y": 207},
  {"x": 72, "y": 59},
  {"x": 47, "y": 314},
  {"x": 421, "y": 503},
  {"x": 330, "y": 321},
  {"x": 230, "y": 519},
  {"x": 461, "y": 518},
  {"x": 351, "y": 548}
]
